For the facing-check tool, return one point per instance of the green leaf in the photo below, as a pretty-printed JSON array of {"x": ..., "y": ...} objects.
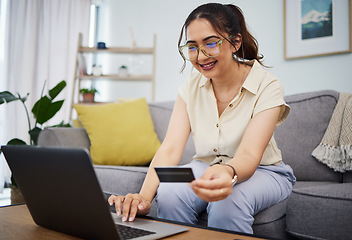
[
  {"x": 45, "y": 109},
  {"x": 54, "y": 108},
  {"x": 34, "y": 133},
  {"x": 6, "y": 97},
  {"x": 40, "y": 108},
  {"x": 57, "y": 89},
  {"x": 13, "y": 182},
  {"x": 16, "y": 141}
]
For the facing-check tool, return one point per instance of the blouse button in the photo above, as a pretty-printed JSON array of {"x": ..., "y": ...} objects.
[
  {"x": 215, "y": 150},
  {"x": 231, "y": 105},
  {"x": 217, "y": 125}
]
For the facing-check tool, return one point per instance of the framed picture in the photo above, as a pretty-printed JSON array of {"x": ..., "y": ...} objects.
[{"x": 316, "y": 28}]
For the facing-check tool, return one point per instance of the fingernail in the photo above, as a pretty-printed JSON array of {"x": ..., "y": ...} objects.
[
  {"x": 131, "y": 219},
  {"x": 140, "y": 207},
  {"x": 118, "y": 213},
  {"x": 124, "y": 219}
]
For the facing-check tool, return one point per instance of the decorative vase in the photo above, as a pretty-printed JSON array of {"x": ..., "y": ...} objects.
[
  {"x": 96, "y": 71},
  {"x": 123, "y": 71}
]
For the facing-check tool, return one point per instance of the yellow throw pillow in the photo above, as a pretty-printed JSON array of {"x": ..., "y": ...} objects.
[{"x": 120, "y": 133}]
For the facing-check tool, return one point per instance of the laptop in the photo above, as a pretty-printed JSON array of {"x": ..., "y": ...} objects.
[{"x": 62, "y": 193}]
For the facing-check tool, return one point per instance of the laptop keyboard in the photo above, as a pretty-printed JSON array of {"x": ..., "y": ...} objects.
[{"x": 127, "y": 232}]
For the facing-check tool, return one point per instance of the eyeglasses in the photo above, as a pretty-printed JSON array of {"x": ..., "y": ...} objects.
[{"x": 210, "y": 49}]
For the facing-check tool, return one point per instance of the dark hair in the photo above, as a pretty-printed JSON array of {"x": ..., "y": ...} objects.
[{"x": 229, "y": 19}]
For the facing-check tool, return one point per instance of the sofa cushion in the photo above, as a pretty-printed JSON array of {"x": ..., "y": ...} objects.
[
  {"x": 120, "y": 179},
  {"x": 161, "y": 114},
  {"x": 347, "y": 177},
  {"x": 64, "y": 137},
  {"x": 120, "y": 134},
  {"x": 278, "y": 211},
  {"x": 303, "y": 130},
  {"x": 320, "y": 212},
  {"x": 304, "y": 184},
  {"x": 271, "y": 214},
  {"x": 272, "y": 230},
  {"x": 271, "y": 222}
]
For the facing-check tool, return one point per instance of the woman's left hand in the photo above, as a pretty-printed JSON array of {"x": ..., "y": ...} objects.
[{"x": 215, "y": 184}]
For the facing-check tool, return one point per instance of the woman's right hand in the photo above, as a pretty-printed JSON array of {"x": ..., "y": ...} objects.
[{"x": 130, "y": 205}]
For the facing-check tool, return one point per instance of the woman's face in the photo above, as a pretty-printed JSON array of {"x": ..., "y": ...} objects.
[{"x": 199, "y": 33}]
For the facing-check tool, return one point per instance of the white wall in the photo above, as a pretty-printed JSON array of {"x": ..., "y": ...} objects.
[{"x": 166, "y": 17}]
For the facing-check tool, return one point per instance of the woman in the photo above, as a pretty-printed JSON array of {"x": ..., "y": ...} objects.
[{"x": 231, "y": 107}]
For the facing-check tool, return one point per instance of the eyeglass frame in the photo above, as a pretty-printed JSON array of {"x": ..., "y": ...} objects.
[{"x": 220, "y": 41}]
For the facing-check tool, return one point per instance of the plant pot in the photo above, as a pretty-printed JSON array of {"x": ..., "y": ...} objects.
[
  {"x": 123, "y": 72},
  {"x": 16, "y": 195},
  {"x": 88, "y": 97}
]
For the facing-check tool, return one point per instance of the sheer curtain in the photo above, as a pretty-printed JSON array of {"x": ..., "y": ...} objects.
[
  {"x": 3, "y": 29},
  {"x": 41, "y": 45}
]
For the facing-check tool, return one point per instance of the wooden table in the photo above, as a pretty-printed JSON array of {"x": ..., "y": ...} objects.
[{"x": 17, "y": 223}]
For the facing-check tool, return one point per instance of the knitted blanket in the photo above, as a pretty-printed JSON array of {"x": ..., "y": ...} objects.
[{"x": 335, "y": 149}]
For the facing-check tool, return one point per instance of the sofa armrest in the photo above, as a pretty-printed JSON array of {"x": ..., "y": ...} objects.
[{"x": 64, "y": 137}]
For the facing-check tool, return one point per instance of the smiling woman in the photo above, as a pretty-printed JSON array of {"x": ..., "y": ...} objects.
[{"x": 231, "y": 106}]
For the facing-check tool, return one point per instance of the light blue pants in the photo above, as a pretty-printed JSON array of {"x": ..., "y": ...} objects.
[{"x": 268, "y": 186}]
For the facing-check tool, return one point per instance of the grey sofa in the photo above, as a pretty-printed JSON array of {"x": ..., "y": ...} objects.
[{"x": 320, "y": 206}]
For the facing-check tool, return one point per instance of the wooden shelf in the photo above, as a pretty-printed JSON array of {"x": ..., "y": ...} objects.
[
  {"x": 92, "y": 103},
  {"x": 118, "y": 78},
  {"x": 80, "y": 64},
  {"x": 119, "y": 50}
]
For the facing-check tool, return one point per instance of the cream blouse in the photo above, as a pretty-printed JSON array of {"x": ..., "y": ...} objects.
[{"x": 217, "y": 138}]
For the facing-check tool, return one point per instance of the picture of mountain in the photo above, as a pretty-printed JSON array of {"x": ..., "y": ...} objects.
[{"x": 316, "y": 18}]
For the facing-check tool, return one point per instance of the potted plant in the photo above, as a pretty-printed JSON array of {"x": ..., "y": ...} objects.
[
  {"x": 88, "y": 94},
  {"x": 43, "y": 110},
  {"x": 123, "y": 71}
]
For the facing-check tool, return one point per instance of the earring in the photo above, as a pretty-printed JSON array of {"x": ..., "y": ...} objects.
[{"x": 235, "y": 57}]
